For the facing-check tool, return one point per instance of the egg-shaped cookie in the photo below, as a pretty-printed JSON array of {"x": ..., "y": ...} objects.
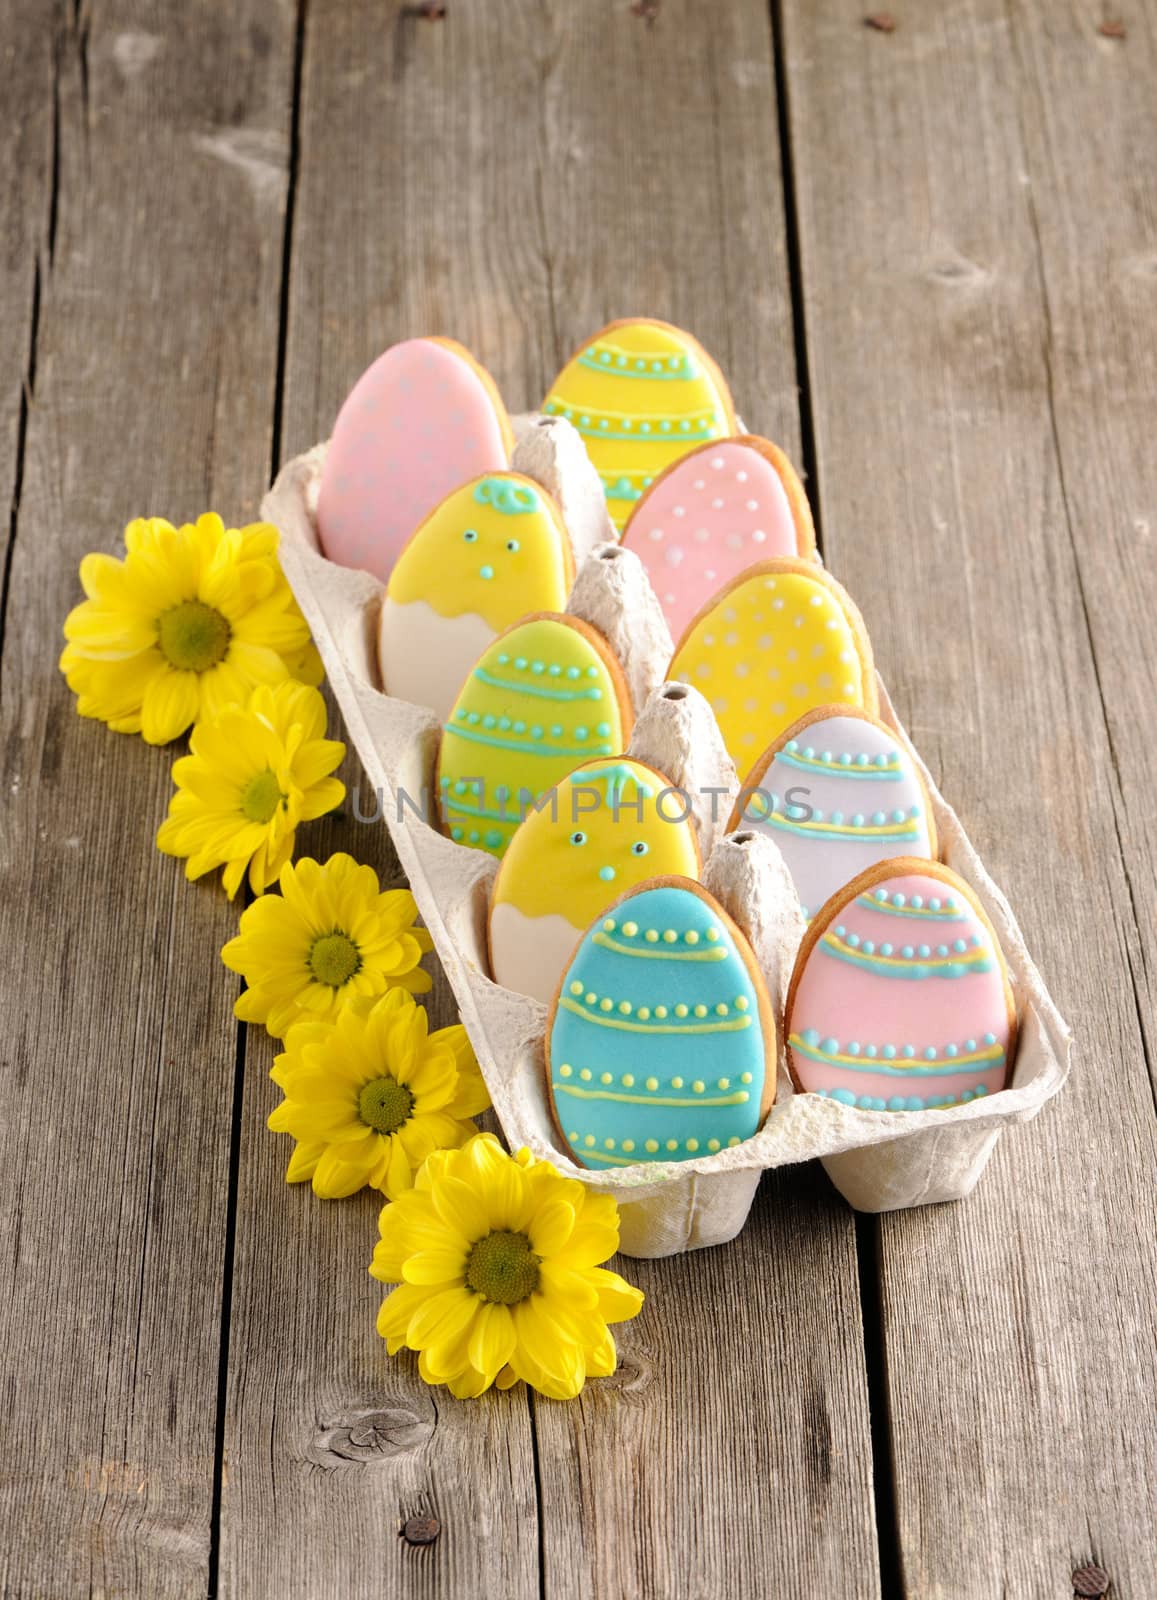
[
  {"x": 545, "y": 696},
  {"x": 494, "y": 551},
  {"x": 782, "y": 639},
  {"x": 641, "y": 394},
  {"x": 661, "y": 1044},
  {"x": 614, "y": 823},
  {"x": 837, "y": 793},
  {"x": 418, "y": 422},
  {"x": 900, "y": 999},
  {"x": 723, "y": 507}
]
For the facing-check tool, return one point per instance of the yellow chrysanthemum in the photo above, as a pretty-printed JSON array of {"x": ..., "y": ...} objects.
[
  {"x": 370, "y": 1096},
  {"x": 497, "y": 1259},
  {"x": 330, "y": 937},
  {"x": 255, "y": 772},
  {"x": 189, "y": 622}
]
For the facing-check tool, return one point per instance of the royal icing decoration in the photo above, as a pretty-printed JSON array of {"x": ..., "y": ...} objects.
[
  {"x": 900, "y": 1000},
  {"x": 714, "y": 513},
  {"x": 614, "y": 824},
  {"x": 641, "y": 394},
  {"x": 783, "y": 639},
  {"x": 656, "y": 1043},
  {"x": 838, "y": 795},
  {"x": 491, "y": 553},
  {"x": 420, "y": 421},
  {"x": 543, "y": 697}
]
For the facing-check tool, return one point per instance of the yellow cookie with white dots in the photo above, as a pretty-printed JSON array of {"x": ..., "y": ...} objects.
[{"x": 781, "y": 639}]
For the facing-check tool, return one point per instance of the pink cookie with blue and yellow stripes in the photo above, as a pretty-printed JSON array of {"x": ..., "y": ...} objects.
[{"x": 900, "y": 998}]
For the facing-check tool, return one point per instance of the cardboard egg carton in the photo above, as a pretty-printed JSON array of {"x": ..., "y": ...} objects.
[{"x": 880, "y": 1161}]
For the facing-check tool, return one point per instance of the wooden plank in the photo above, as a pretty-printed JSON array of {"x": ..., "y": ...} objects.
[
  {"x": 517, "y": 184},
  {"x": 26, "y": 223},
  {"x": 339, "y": 1440},
  {"x": 974, "y": 250},
  {"x": 154, "y": 380}
]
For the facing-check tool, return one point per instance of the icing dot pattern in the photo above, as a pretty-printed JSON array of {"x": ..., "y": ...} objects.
[
  {"x": 671, "y": 1013},
  {"x": 791, "y": 636},
  {"x": 641, "y": 394},
  {"x": 418, "y": 423},
  {"x": 720, "y": 509},
  {"x": 858, "y": 800},
  {"x": 888, "y": 1020},
  {"x": 540, "y": 700}
]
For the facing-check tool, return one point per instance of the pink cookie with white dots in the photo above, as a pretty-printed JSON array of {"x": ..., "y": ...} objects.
[
  {"x": 711, "y": 515},
  {"x": 421, "y": 421}
]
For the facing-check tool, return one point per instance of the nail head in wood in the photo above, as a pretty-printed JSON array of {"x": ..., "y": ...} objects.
[
  {"x": 1090, "y": 1582},
  {"x": 421, "y": 1530}
]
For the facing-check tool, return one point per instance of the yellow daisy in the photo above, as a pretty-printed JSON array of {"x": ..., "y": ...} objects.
[
  {"x": 497, "y": 1259},
  {"x": 370, "y": 1096},
  {"x": 190, "y": 621},
  {"x": 255, "y": 772},
  {"x": 330, "y": 937}
]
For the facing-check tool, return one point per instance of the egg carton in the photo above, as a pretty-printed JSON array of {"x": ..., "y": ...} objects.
[{"x": 879, "y": 1161}]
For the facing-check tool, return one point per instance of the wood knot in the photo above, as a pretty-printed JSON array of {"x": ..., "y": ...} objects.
[
  {"x": 1090, "y": 1582},
  {"x": 420, "y": 1530},
  {"x": 956, "y": 269},
  {"x": 374, "y": 1436},
  {"x": 881, "y": 22},
  {"x": 632, "y": 1376}
]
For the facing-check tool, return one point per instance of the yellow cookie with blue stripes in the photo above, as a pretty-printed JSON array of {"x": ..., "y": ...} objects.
[
  {"x": 545, "y": 696},
  {"x": 783, "y": 638},
  {"x": 642, "y": 394},
  {"x": 614, "y": 823},
  {"x": 494, "y": 551},
  {"x": 661, "y": 1044}
]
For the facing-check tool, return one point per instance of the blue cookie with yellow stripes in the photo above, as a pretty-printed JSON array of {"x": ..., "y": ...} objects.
[{"x": 661, "y": 1045}]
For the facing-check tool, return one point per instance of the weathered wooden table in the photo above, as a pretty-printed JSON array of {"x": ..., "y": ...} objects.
[{"x": 926, "y": 257}]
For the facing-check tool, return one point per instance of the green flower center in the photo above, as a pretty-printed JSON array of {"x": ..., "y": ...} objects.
[
  {"x": 193, "y": 636},
  {"x": 502, "y": 1267},
  {"x": 261, "y": 797},
  {"x": 385, "y": 1104},
  {"x": 334, "y": 959}
]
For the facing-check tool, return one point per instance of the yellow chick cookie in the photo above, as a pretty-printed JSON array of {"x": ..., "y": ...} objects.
[
  {"x": 641, "y": 394},
  {"x": 614, "y": 824},
  {"x": 491, "y": 553}
]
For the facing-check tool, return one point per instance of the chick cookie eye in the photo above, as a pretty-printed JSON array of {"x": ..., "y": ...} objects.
[
  {"x": 578, "y": 837},
  {"x": 470, "y": 536},
  {"x": 639, "y": 848},
  {"x": 512, "y": 545}
]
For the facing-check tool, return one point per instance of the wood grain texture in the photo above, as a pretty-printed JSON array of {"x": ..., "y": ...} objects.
[
  {"x": 27, "y": 202},
  {"x": 516, "y": 185},
  {"x": 154, "y": 375},
  {"x": 980, "y": 338}
]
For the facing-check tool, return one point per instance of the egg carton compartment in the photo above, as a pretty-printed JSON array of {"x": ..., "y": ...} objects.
[{"x": 879, "y": 1161}]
